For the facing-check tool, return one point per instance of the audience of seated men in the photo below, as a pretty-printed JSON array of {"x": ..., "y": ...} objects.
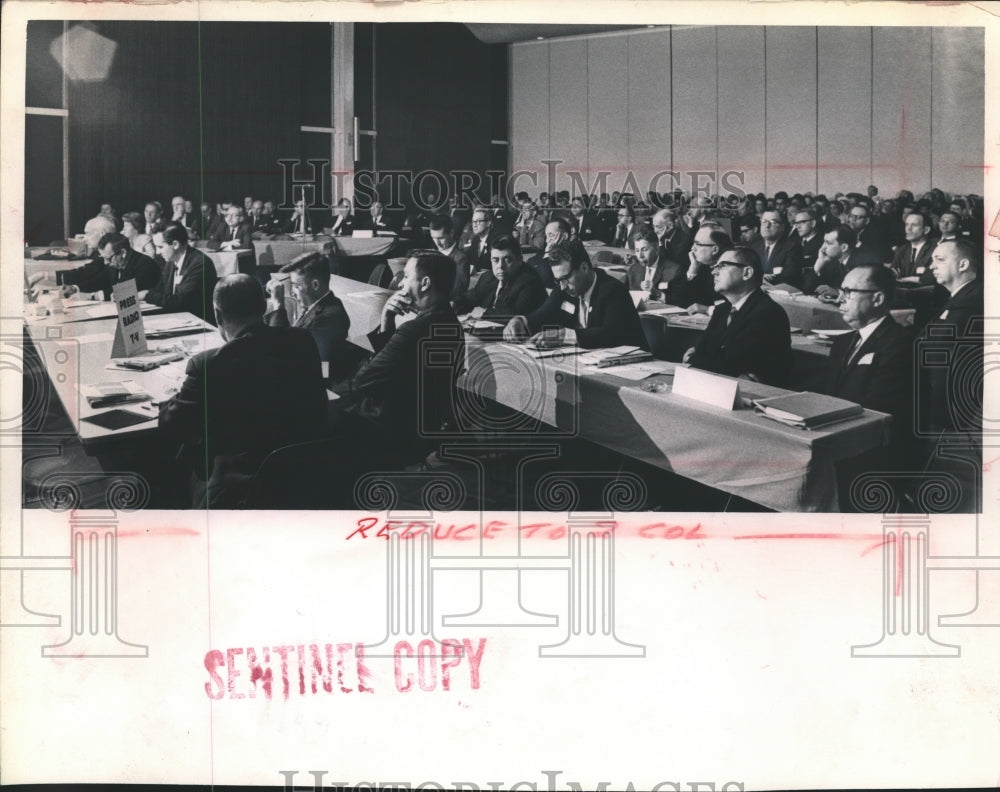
[
  {"x": 748, "y": 334},
  {"x": 319, "y": 310},
  {"x": 261, "y": 390},
  {"x": 589, "y": 308},
  {"x": 187, "y": 277},
  {"x": 510, "y": 288}
]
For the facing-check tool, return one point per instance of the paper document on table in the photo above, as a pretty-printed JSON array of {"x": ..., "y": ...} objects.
[
  {"x": 538, "y": 354},
  {"x": 667, "y": 310},
  {"x": 640, "y": 371}
]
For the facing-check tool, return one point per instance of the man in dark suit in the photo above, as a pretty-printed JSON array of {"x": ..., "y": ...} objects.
[
  {"x": 376, "y": 220},
  {"x": 870, "y": 242},
  {"x": 187, "y": 278},
  {"x": 529, "y": 229},
  {"x": 257, "y": 221},
  {"x": 319, "y": 310},
  {"x": 780, "y": 254},
  {"x": 590, "y": 308},
  {"x": 118, "y": 262},
  {"x": 837, "y": 256},
  {"x": 955, "y": 398},
  {"x": 622, "y": 232},
  {"x": 586, "y": 224},
  {"x": 809, "y": 236},
  {"x": 873, "y": 367},
  {"x": 396, "y": 398},
  {"x": 236, "y": 235},
  {"x": 510, "y": 288},
  {"x": 912, "y": 260},
  {"x": 260, "y": 391},
  {"x": 748, "y": 334},
  {"x": 444, "y": 241},
  {"x": 153, "y": 216},
  {"x": 343, "y": 219},
  {"x": 652, "y": 272},
  {"x": 180, "y": 215},
  {"x": 477, "y": 249},
  {"x": 300, "y": 221},
  {"x": 696, "y": 290},
  {"x": 674, "y": 239}
]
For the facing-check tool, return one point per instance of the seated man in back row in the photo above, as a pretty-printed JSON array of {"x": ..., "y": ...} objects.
[
  {"x": 589, "y": 309},
  {"x": 509, "y": 289},
  {"x": 748, "y": 334}
]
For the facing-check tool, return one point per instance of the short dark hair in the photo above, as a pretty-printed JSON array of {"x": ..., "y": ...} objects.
[
  {"x": 563, "y": 224},
  {"x": 239, "y": 297},
  {"x": 310, "y": 265},
  {"x": 175, "y": 232},
  {"x": 882, "y": 279},
  {"x": 440, "y": 222},
  {"x": 575, "y": 254},
  {"x": 750, "y": 221},
  {"x": 807, "y": 211},
  {"x": 507, "y": 243},
  {"x": 117, "y": 241},
  {"x": 845, "y": 235},
  {"x": 782, "y": 195},
  {"x": 748, "y": 257},
  {"x": 956, "y": 215},
  {"x": 646, "y": 235},
  {"x": 721, "y": 240},
  {"x": 628, "y": 210},
  {"x": 437, "y": 267}
]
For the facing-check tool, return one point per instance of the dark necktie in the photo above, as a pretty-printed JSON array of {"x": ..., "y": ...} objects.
[
  {"x": 731, "y": 316},
  {"x": 855, "y": 346},
  {"x": 913, "y": 256}
]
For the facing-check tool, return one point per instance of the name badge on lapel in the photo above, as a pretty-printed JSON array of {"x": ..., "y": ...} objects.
[
  {"x": 921, "y": 270},
  {"x": 568, "y": 307}
]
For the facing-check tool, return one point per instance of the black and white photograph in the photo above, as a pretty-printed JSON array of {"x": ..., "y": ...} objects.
[{"x": 632, "y": 349}]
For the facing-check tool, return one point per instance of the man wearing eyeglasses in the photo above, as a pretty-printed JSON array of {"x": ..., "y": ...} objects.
[
  {"x": 870, "y": 244},
  {"x": 837, "y": 257},
  {"x": 118, "y": 262},
  {"x": 477, "y": 249},
  {"x": 589, "y": 308},
  {"x": 810, "y": 240},
  {"x": 873, "y": 367},
  {"x": 674, "y": 239},
  {"x": 624, "y": 228},
  {"x": 530, "y": 230},
  {"x": 780, "y": 255},
  {"x": 748, "y": 334}
]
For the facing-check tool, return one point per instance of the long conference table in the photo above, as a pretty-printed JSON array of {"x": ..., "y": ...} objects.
[
  {"x": 278, "y": 252},
  {"x": 736, "y": 451}
]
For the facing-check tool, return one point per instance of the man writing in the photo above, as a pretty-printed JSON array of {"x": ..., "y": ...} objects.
[
  {"x": 119, "y": 262},
  {"x": 590, "y": 308}
]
